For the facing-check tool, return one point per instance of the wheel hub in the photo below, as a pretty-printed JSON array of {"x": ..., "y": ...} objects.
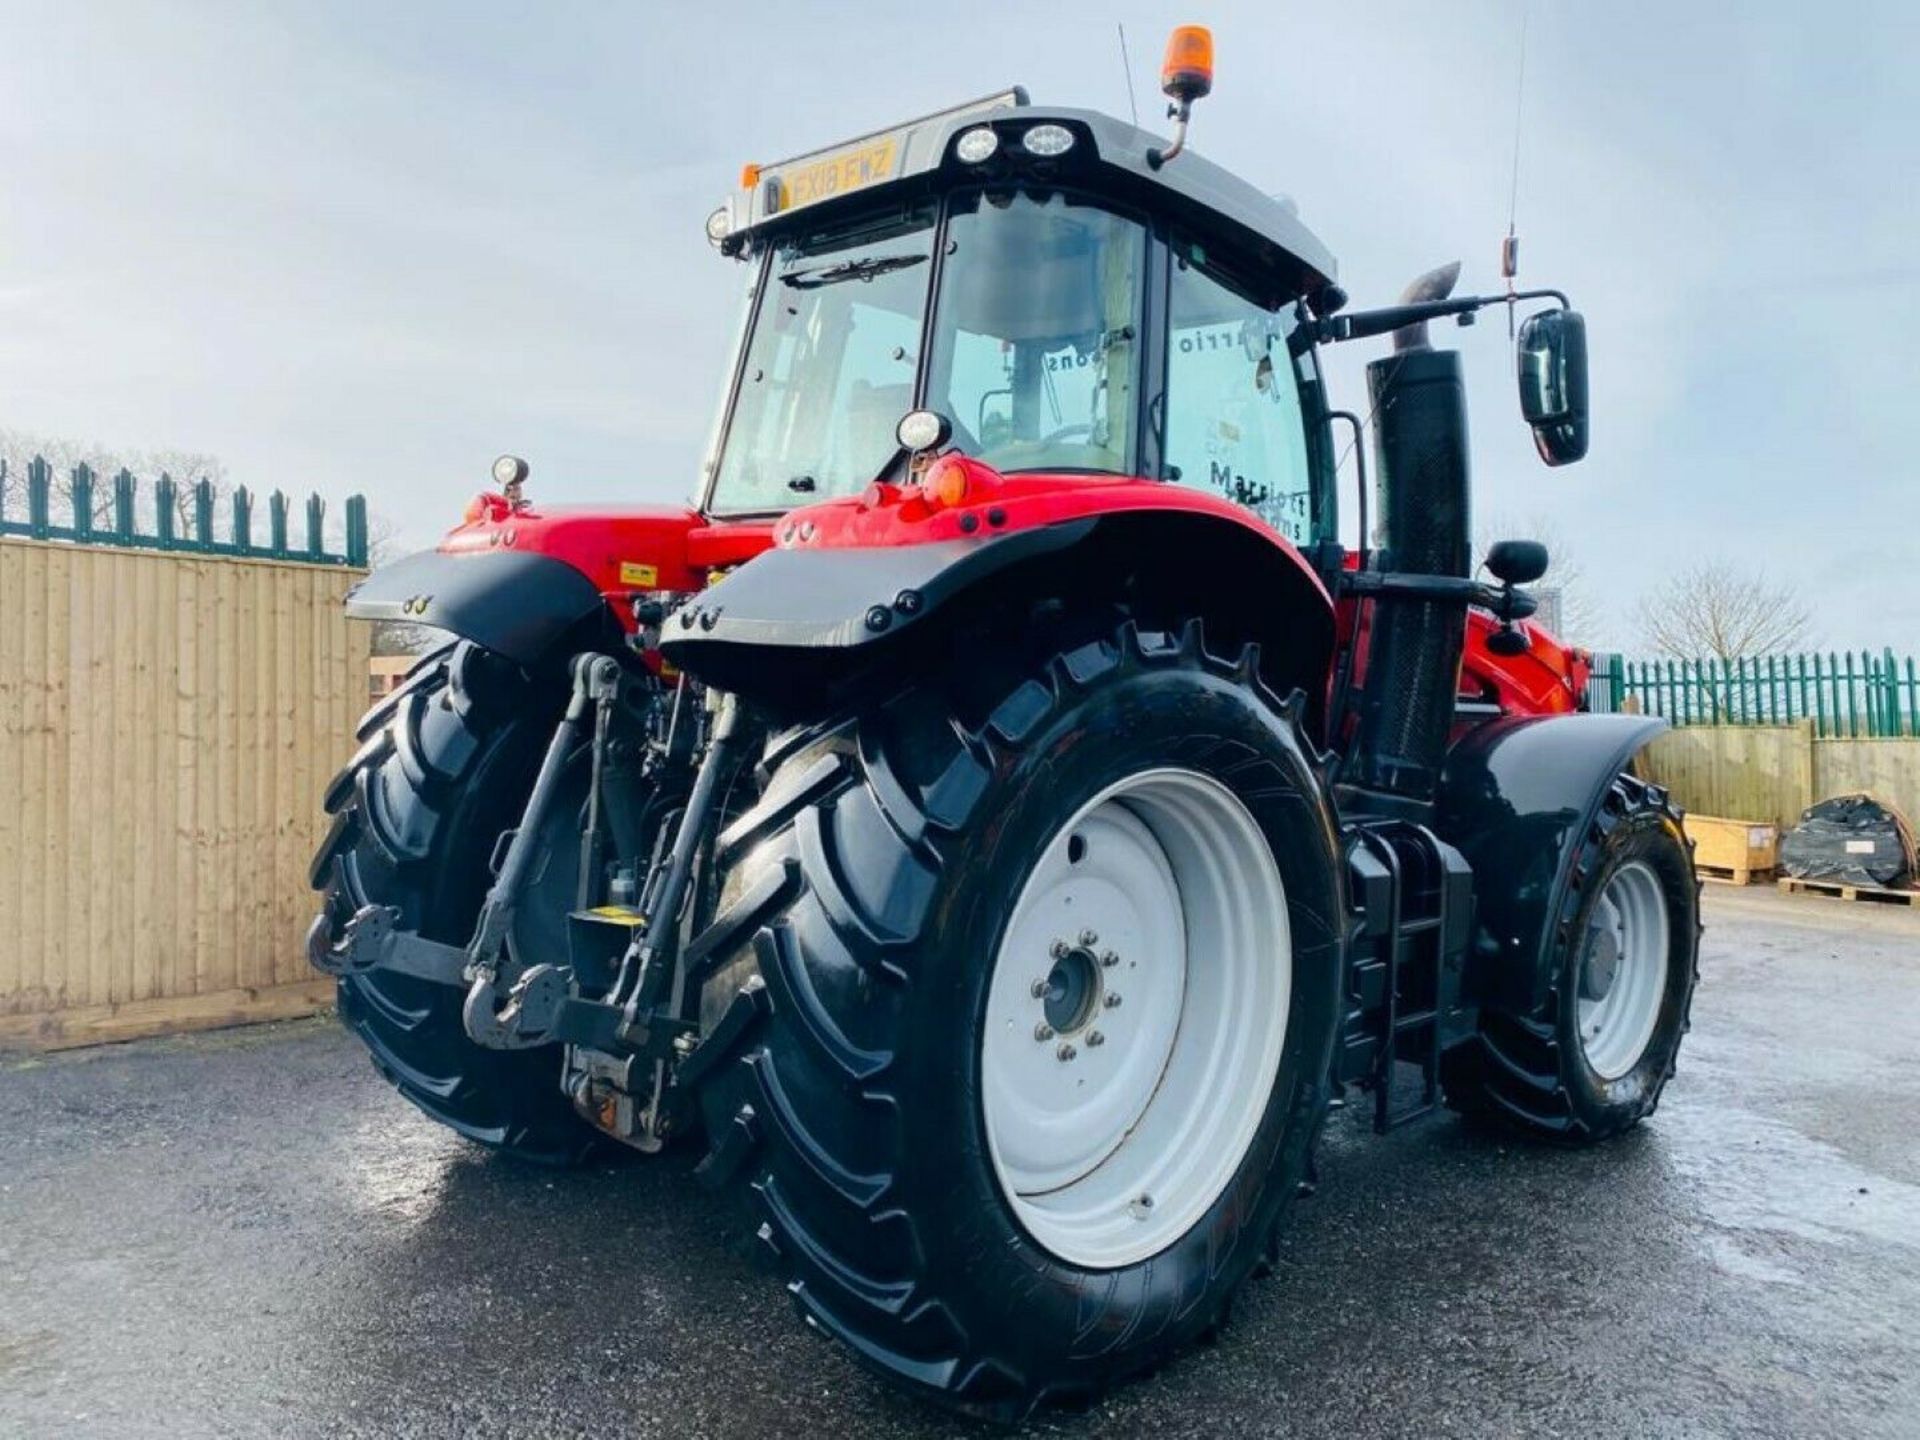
[
  {"x": 1603, "y": 957},
  {"x": 1070, "y": 996},
  {"x": 1623, "y": 975},
  {"x": 1135, "y": 1017}
]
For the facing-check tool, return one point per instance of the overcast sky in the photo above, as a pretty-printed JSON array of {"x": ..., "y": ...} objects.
[{"x": 359, "y": 247}]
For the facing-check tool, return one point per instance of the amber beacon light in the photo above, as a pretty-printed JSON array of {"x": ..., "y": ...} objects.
[
  {"x": 1187, "y": 72},
  {"x": 1185, "y": 75}
]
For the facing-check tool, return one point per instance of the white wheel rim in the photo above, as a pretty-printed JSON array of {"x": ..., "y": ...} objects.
[
  {"x": 1156, "y": 921},
  {"x": 1623, "y": 975}
]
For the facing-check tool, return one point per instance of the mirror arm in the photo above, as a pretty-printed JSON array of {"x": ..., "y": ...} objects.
[
  {"x": 1505, "y": 602},
  {"x": 1365, "y": 323}
]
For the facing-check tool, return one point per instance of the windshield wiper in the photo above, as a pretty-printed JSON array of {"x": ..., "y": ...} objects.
[{"x": 849, "y": 270}]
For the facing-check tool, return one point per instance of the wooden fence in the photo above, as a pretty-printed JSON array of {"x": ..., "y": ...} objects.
[
  {"x": 167, "y": 723},
  {"x": 1773, "y": 772}
]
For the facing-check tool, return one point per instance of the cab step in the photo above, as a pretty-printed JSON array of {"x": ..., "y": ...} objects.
[{"x": 1413, "y": 916}]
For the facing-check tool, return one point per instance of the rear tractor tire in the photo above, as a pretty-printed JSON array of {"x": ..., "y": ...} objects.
[
  {"x": 1019, "y": 1024},
  {"x": 446, "y": 763},
  {"x": 1593, "y": 1058}
]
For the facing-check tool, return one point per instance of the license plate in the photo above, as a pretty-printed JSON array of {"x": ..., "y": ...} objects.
[{"x": 839, "y": 174}]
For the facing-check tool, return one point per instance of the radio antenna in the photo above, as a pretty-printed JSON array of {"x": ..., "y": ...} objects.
[
  {"x": 1510, "y": 247},
  {"x": 1126, "y": 72}
]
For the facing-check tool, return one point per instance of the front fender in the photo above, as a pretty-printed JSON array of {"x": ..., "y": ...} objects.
[
  {"x": 1518, "y": 797},
  {"x": 515, "y": 602}
]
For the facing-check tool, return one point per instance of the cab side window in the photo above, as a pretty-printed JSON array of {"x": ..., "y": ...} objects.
[{"x": 1234, "y": 421}]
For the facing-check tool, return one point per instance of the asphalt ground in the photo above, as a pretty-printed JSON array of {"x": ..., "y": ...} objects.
[{"x": 249, "y": 1233}]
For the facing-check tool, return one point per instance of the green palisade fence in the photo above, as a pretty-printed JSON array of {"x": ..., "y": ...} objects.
[
  {"x": 1848, "y": 695},
  {"x": 86, "y": 492}
]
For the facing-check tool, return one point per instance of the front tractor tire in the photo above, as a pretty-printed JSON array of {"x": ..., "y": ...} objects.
[
  {"x": 1018, "y": 1016},
  {"x": 445, "y": 764},
  {"x": 1592, "y": 1059}
]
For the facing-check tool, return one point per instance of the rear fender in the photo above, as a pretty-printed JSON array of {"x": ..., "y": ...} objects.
[
  {"x": 786, "y": 624},
  {"x": 521, "y": 581},
  {"x": 516, "y": 602},
  {"x": 1518, "y": 797}
]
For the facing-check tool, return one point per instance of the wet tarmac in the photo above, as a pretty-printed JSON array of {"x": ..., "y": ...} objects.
[{"x": 248, "y": 1233}]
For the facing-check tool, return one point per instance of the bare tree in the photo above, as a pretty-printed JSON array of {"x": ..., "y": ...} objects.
[
  {"x": 1580, "y": 617},
  {"x": 1718, "y": 610}
]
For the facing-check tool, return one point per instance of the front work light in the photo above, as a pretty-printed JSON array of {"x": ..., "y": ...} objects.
[
  {"x": 977, "y": 144},
  {"x": 1047, "y": 140},
  {"x": 719, "y": 226},
  {"x": 922, "y": 430}
]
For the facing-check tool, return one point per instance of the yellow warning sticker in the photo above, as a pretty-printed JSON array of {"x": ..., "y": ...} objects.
[
  {"x": 620, "y": 914},
  {"x": 634, "y": 573}
]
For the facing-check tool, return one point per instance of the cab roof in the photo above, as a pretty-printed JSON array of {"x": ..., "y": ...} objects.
[{"x": 1108, "y": 155}]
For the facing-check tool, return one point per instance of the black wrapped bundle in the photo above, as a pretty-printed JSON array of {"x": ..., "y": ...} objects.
[{"x": 1851, "y": 840}]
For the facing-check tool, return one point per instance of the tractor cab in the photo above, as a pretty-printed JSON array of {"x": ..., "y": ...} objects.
[{"x": 1069, "y": 302}]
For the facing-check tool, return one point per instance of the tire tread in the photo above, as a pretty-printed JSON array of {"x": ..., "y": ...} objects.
[{"x": 400, "y": 806}]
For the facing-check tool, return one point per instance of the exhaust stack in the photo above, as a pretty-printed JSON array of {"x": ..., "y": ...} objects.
[{"x": 1420, "y": 453}]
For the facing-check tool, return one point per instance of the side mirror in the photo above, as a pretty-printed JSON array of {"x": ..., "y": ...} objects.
[
  {"x": 1552, "y": 363},
  {"x": 1517, "y": 562}
]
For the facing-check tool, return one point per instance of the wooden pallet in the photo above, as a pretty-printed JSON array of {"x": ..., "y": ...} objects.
[
  {"x": 1733, "y": 874},
  {"x": 1840, "y": 891}
]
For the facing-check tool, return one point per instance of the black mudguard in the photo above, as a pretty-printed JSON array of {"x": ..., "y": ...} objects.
[
  {"x": 517, "y": 603},
  {"x": 752, "y": 632},
  {"x": 1517, "y": 796},
  {"x": 793, "y": 623}
]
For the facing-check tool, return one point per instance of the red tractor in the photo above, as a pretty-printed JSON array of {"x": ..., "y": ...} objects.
[{"x": 999, "y": 820}]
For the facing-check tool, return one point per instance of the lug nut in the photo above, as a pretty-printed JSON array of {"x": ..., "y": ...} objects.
[
  {"x": 1043, "y": 1031},
  {"x": 1110, "y": 959},
  {"x": 1038, "y": 989},
  {"x": 1111, "y": 1000},
  {"x": 1066, "y": 1052},
  {"x": 1094, "y": 1037},
  {"x": 1059, "y": 949},
  {"x": 1088, "y": 938}
]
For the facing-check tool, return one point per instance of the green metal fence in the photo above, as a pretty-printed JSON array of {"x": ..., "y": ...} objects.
[
  {"x": 1846, "y": 694},
  {"x": 102, "y": 511}
]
